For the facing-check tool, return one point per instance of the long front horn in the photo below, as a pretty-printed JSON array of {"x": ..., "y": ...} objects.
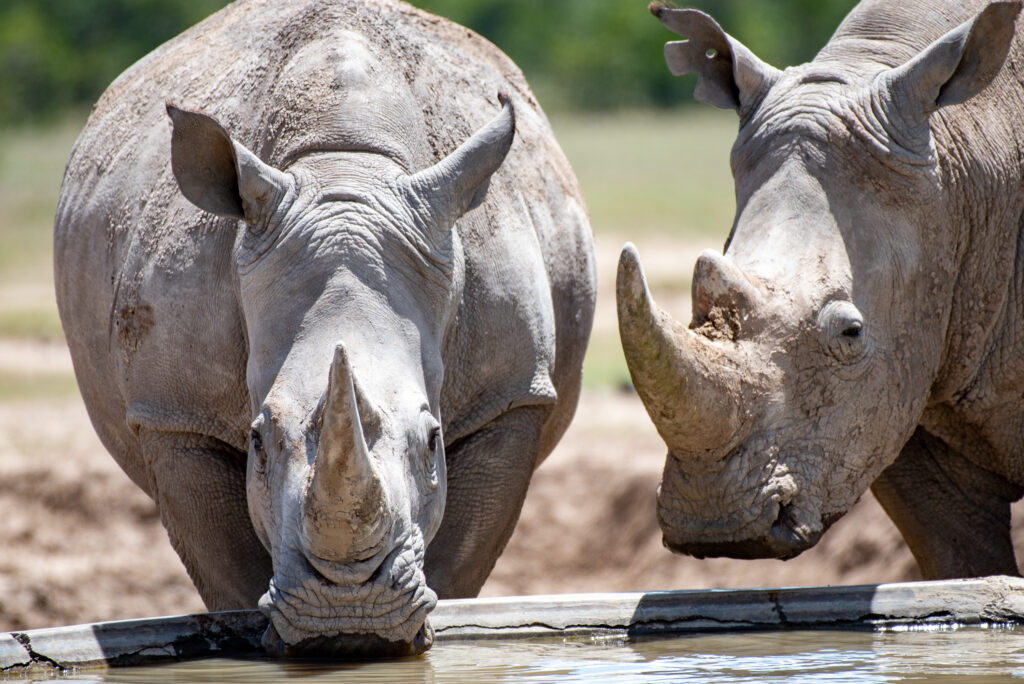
[
  {"x": 345, "y": 507},
  {"x": 686, "y": 385}
]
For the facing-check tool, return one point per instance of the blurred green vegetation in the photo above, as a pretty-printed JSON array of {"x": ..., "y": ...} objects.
[
  {"x": 58, "y": 54},
  {"x": 26, "y": 386},
  {"x": 32, "y": 159},
  {"x": 579, "y": 54},
  {"x": 639, "y": 168},
  {"x": 657, "y": 175},
  {"x": 607, "y": 54}
]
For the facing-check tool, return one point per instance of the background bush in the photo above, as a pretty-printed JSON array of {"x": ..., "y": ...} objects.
[{"x": 578, "y": 54}]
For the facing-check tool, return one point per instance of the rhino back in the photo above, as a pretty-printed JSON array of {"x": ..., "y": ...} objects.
[{"x": 145, "y": 280}]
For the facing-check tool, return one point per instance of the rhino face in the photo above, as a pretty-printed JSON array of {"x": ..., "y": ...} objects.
[
  {"x": 817, "y": 334},
  {"x": 348, "y": 273}
]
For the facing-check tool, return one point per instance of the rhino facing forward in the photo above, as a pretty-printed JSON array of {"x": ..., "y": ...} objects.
[
  {"x": 864, "y": 325},
  {"x": 337, "y": 401}
]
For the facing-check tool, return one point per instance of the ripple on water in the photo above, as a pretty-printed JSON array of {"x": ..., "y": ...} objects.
[{"x": 835, "y": 657}]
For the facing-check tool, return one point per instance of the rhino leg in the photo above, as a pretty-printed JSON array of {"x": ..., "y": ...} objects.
[
  {"x": 198, "y": 483},
  {"x": 488, "y": 474},
  {"x": 954, "y": 515}
]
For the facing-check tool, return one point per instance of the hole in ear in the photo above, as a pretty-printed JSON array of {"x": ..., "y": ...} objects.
[{"x": 711, "y": 53}]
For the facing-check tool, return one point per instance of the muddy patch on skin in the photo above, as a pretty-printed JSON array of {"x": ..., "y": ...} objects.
[{"x": 133, "y": 322}]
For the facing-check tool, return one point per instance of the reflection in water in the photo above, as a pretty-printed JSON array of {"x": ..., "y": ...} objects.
[{"x": 963, "y": 655}]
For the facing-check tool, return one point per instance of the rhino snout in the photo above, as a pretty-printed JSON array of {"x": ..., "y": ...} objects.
[{"x": 376, "y": 608}]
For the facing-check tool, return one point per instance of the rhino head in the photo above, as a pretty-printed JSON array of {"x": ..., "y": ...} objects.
[
  {"x": 348, "y": 274},
  {"x": 817, "y": 336}
]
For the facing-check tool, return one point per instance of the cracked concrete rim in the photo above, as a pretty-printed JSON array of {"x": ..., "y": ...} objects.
[{"x": 991, "y": 600}]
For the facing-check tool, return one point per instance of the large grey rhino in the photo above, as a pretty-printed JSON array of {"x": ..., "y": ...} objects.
[
  {"x": 314, "y": 320},
  {"x": 865, "y": 324}
]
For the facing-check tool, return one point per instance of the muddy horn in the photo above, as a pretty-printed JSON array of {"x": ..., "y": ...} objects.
[
  {"x": 345, "y": 508},
  {"x": 687, "y": 386}
]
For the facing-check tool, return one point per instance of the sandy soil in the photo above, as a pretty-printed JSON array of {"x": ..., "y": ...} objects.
[{"x": 80, "y": 543}]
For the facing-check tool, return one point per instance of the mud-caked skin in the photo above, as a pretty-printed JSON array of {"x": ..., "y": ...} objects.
[
  {"x": 327, "y": 281},
  {"x": 864, "y": 323}
]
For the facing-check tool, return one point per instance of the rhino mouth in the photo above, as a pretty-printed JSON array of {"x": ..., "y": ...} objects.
[
  {"x": 347, "y": 646},
  {"x": 786, "y": 538},
  {"x": 363, "y": 610}
]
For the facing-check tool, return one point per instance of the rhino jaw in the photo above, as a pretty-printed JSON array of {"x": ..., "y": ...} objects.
[{"x": 784, "y": 540}]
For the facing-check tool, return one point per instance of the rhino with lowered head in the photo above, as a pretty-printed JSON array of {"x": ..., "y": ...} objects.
[
  {"x": 865, "y": 324},
  {"x": 331, "y": 312}
]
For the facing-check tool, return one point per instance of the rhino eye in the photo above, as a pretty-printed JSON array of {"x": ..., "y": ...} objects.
[
  {"x": 434, "y": 439},
  {"x": 842, "y": 327},
  {"x": 259, "y": 460}
]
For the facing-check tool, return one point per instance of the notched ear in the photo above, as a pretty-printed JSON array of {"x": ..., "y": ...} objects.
[
  {"x": 729, "y": 75},
  {"x": 217, "y": 173},
  {"x": 957, "y": 66},
  {"x": 458, "y": 183}
]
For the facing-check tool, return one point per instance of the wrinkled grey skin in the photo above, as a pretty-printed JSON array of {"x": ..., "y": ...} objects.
[
  {"x": 331, "y": 312},
  {"x": 863, "y": 326}
]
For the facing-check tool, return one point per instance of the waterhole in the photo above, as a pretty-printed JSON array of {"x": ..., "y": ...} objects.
[{"x": 964, "y": 655}]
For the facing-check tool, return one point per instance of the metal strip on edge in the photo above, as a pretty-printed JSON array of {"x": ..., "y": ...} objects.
[{"x": 237, "y": 633}]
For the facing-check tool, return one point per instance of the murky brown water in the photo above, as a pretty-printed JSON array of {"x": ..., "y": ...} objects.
[{"x": 964, "y": 656}]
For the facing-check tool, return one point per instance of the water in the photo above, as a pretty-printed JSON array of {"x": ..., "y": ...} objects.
[{"x": 964, "y": 655}]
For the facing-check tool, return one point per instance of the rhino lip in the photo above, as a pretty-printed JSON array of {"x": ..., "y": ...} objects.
[
  {"x": 377, "y": 610},
  {"x": 785, "y": 540},
  {"x": 356, "y": 646}
]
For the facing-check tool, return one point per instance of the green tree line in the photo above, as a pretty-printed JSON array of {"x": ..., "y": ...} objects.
[{"x": 581, "y": 54}]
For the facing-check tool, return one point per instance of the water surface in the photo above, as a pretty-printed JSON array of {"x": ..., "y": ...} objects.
[{"x": 963, "y": 655}]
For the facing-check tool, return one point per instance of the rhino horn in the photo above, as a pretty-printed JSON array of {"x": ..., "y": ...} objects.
[
  {"x": 686, "y": 384},
  {"x": 345, "y": 507},
  {"x": 458, "y": 183},
  {"x": 718, "y": 282}
]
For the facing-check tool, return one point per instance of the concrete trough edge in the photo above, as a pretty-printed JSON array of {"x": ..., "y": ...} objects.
[{"x": 994, "y": 600}]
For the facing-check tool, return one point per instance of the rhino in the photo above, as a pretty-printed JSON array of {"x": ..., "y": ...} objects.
[
  {"x": 327, "y": 280},
  {"x": 863, "y": 325}
]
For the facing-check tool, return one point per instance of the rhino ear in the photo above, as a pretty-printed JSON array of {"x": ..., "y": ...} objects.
[
  {"x": 956, "y": 67},
  {"x": 218, "y": 174},
  {"x": 729, "y": 75},
  {"x": 458, "y": 183}
]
